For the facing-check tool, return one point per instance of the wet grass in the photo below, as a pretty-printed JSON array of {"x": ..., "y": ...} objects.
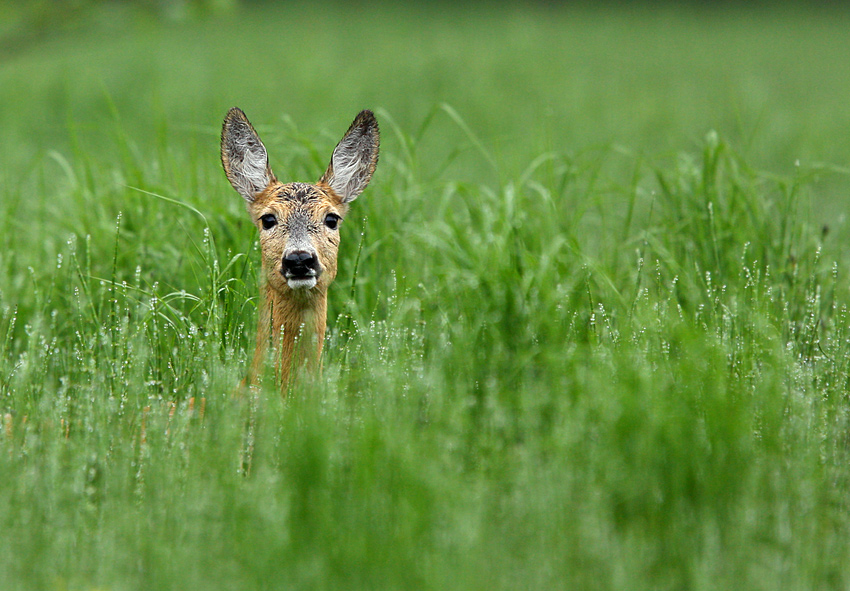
[{"x": 590, "y": 329}]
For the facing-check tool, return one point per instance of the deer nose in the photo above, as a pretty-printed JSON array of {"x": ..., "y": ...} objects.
[{"x": 301, "y": 263}]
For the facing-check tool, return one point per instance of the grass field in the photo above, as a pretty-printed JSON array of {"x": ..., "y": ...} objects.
[{"x": 590, "y": 329}]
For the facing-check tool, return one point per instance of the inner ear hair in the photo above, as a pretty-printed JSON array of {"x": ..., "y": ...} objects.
[
  {"x": 354, "y": 158},
  {"x": 244, "y": 156}
]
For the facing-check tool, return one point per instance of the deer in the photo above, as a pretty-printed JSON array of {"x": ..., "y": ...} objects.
[{"x": 298, "y": 225}]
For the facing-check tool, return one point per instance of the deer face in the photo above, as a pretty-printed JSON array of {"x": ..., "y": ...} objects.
[
  {"x": 298, "y": 222},
  {"x": 299, "y": 235}
]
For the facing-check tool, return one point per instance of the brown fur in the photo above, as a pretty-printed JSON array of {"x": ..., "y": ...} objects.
[{"x": 293, "y": 320}]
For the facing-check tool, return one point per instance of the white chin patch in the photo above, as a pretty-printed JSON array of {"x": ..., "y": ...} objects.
[{"x": 305, "y": 283}]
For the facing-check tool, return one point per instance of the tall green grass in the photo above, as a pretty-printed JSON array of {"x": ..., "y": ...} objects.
[{"x": 590, "y": 328}]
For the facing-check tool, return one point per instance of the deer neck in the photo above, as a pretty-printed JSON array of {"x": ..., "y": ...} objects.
[{"x": 291, "y": 325}]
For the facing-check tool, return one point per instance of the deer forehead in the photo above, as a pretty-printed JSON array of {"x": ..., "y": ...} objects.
[{"x": 298, "y": 199}]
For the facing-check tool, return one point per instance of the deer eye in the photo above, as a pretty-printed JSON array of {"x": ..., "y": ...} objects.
[
  {"x": 269, "y": 221},
  {"x": 332, "y": 221}
]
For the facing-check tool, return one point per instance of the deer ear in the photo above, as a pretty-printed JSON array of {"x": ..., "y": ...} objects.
[
  {"x": 354, "y": 158},
  {"x": 244, "y": 156}
]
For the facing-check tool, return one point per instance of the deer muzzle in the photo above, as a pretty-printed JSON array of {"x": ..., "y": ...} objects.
[{"x": 301, "y": 269}]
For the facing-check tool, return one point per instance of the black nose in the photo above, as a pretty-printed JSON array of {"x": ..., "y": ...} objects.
[{"x": 300, "y": 263}]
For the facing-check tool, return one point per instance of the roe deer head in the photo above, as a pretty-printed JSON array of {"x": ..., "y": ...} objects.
[{"x": 299, "y": 234}]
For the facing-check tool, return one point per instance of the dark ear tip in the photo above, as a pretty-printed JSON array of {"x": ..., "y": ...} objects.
[
  {"x": 365, "y": 118},
  {"x": 235, "y": 114}
]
